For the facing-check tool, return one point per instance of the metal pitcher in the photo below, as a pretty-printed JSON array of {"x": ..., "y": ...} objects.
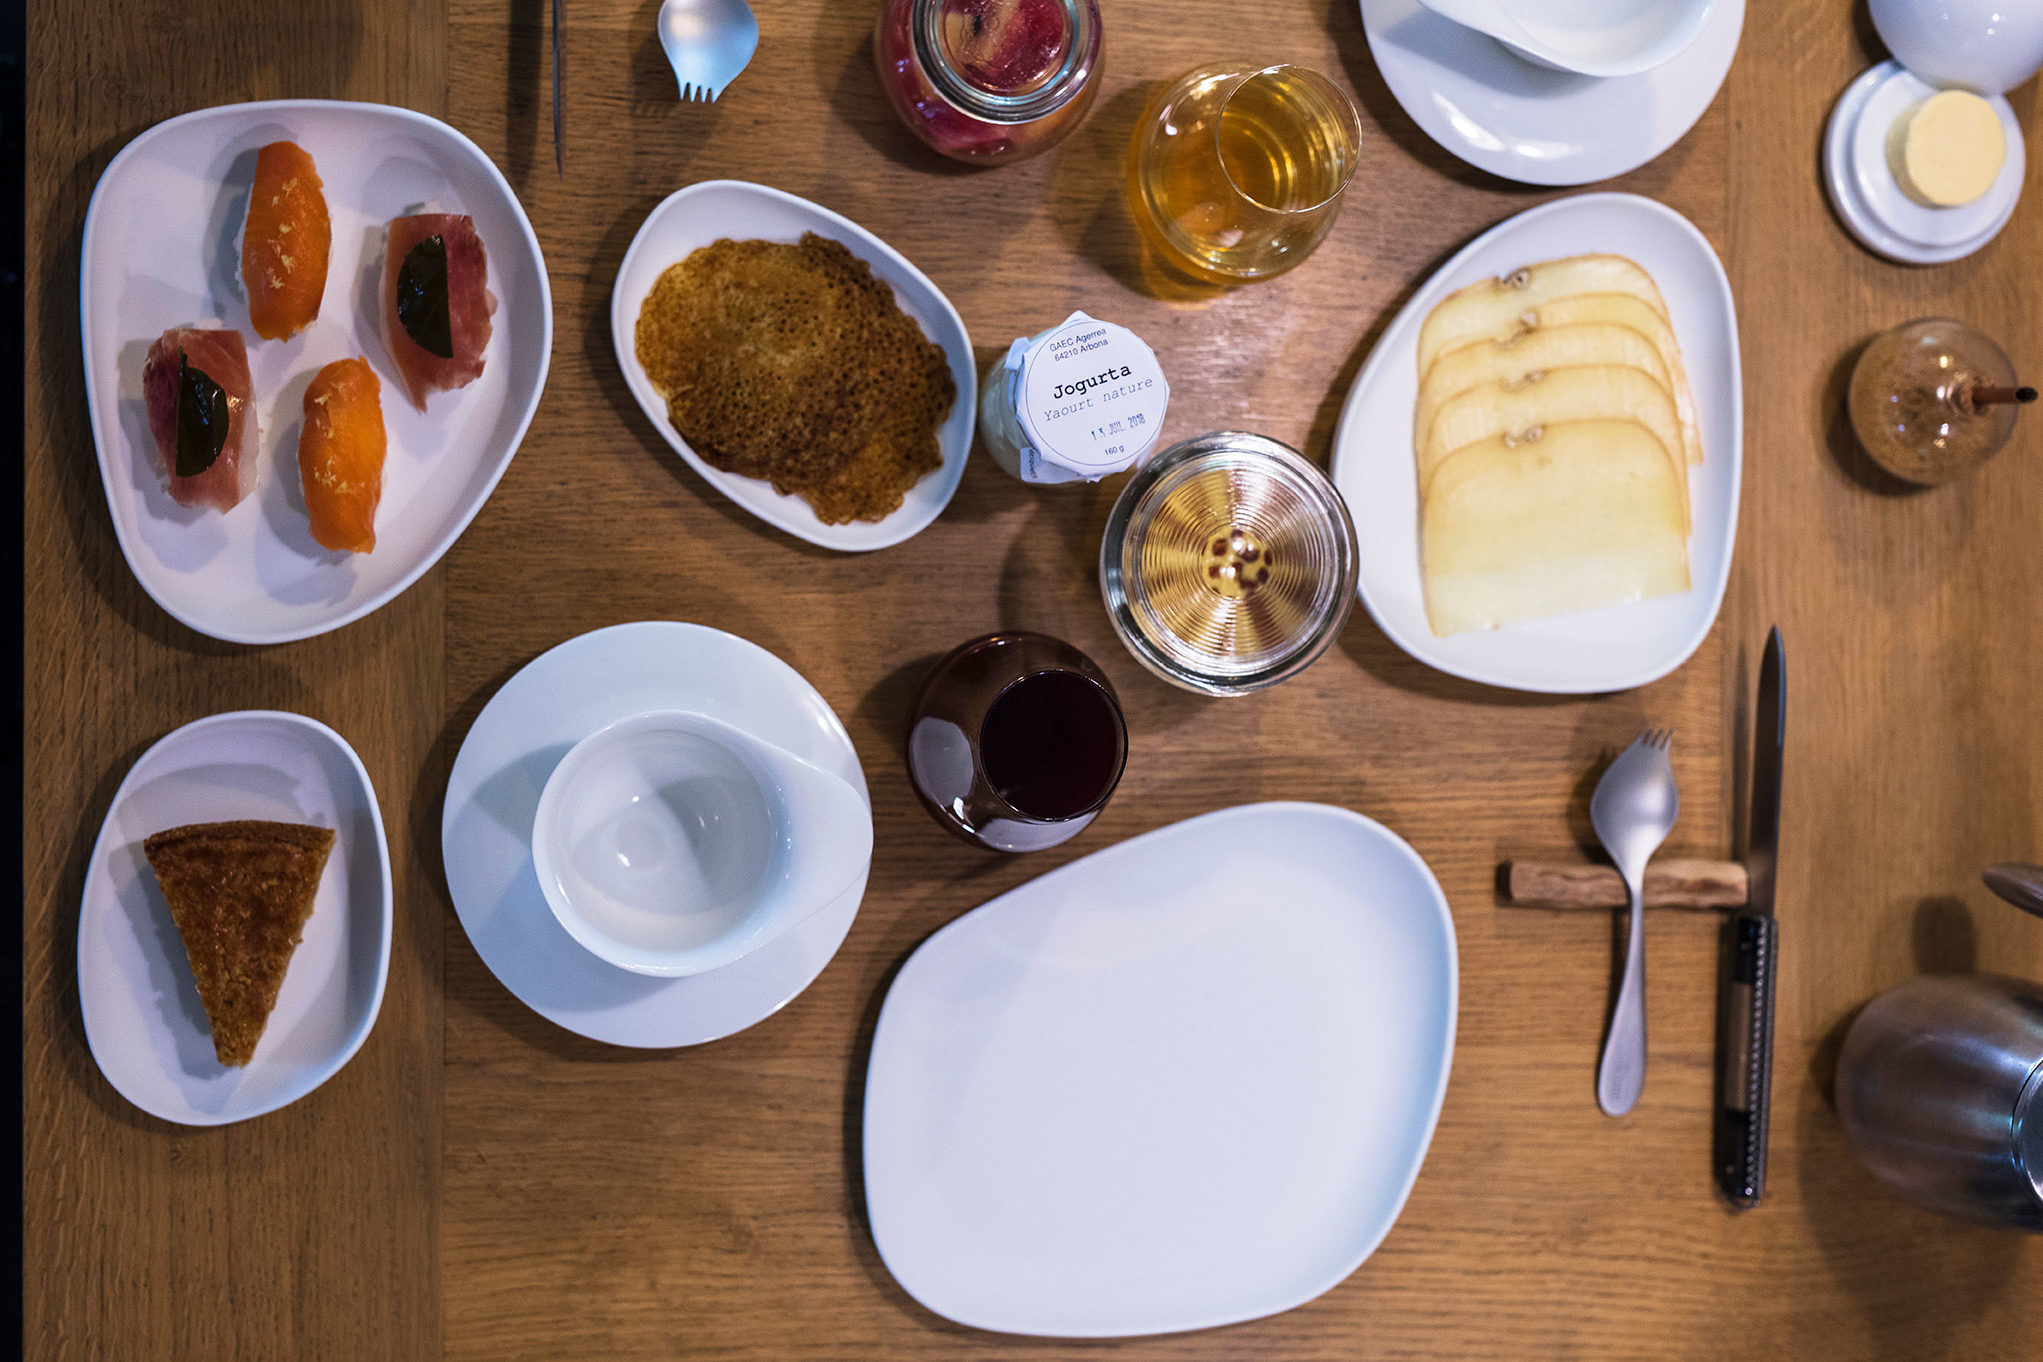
[{"x": 1940, "y": 1085}]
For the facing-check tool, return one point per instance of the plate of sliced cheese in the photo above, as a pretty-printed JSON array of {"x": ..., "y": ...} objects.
[{"x": 1542, "y": 454}]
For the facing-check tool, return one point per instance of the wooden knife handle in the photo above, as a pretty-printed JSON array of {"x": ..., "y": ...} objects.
[{"x": 1706, "y": 885}]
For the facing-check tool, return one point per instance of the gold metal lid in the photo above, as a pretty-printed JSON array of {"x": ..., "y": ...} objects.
[{"x": 1228, "y": 563}]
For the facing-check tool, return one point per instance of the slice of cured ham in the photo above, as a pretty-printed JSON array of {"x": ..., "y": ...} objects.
[
  {"x": 220, "y": 358},
  {"x": 436, "y": 306}
]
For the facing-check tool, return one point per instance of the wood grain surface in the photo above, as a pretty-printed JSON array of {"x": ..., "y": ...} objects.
[{"x": 479, "y": 1184}]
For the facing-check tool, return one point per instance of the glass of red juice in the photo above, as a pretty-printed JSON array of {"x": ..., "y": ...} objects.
[{"x": 1016, "y": 742}]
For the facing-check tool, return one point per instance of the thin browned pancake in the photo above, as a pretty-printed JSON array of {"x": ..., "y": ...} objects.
[
  {"x": 240, "y": 894},
  {"x": 791, "y": 362}
]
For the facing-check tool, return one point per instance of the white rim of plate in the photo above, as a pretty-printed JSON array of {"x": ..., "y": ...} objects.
[
  {"x": 622, "y": 336},
  {"x": 531, "y": 241},
  {"x": 374, "y": 1010},
  {"x": 1382, "y": 355}
]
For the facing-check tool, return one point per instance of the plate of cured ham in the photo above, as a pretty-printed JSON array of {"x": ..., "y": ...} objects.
[{"x": 315, "y": 333}]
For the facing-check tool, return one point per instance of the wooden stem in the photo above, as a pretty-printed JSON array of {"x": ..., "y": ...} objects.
[
  {"x": 1672, "y": 883},
  {"x": 1985, "y": 396}
]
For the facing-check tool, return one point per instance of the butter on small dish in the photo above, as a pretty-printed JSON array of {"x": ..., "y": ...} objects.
[{"x": 1947, "y": 150}]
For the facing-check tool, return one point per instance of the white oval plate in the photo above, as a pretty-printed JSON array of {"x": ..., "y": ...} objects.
[
  {"x": 143, "y": 1019},
  {"x": 1532, "y": 124},
  {"x": 1602, "y": 650},
  {"x": 714, "y": 209},
  {"x": 1185, "y": 1081},
  {"x": 553, "y": 702},
  {"x": 163, "y": 249}
]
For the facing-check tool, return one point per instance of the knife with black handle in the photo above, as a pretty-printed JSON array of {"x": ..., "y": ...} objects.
[{"x": 1751, "y": 958}]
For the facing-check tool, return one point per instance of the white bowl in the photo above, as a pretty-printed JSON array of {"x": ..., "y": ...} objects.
[
  {"x": 1985, "y": 46},
  {"x": 671, "y": 843},
  {"x": 1588, "y": 37}
]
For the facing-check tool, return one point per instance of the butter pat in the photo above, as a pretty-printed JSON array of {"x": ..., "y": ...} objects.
[{"x": 1948, "y": 150}]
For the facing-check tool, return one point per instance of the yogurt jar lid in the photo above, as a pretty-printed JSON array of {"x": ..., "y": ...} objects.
[{"x": 1089, "y": 396}]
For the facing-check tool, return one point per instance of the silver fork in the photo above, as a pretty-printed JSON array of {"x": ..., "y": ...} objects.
[
  {"x": 1633, "y": 810},
  {"x": 707, "y": 42}
]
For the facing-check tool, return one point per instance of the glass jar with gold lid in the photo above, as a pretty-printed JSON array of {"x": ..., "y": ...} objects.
[{"x": 1228, "y": 563}]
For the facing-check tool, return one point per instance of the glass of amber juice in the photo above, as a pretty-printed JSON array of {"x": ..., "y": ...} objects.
[{"x": 1236, "y": 173}]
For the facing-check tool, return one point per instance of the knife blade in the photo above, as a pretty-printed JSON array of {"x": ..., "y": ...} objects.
[
  {"x": 1751, "y": 957},
  {"x": 559, "y": 110}
]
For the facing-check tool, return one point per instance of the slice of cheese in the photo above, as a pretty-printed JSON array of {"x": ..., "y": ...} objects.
[
  {"x": 1948, "y": 150},
  {"x": 1509, "y": 361},
  {"x": 1492, "y": 307},
  {"x": 1622, "y": 309},
  {"x": 1587, "y": 516},
  {"x": 1545, "y": 397}
]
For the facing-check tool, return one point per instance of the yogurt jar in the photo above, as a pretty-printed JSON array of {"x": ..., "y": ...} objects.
[{"x": 1076, "y": 403}]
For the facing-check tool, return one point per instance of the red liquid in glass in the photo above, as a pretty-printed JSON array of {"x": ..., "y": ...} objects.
[{"x": 1050, "y": 745}]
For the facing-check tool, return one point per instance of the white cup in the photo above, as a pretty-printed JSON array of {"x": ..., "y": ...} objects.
[
  {"x": 671, "y": 843},
  {"x": 1985, "y": 46},
  {"x": 1588, "y": 37}
]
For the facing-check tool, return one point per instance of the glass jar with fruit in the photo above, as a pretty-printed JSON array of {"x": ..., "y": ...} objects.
[{"x": 989, "y": 81}]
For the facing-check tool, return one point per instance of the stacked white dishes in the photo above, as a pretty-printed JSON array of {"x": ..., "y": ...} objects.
[{"x": 700, "y": 820}]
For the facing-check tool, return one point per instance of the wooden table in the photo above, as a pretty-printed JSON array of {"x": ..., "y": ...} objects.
[{"x": 480, "y": 1184}]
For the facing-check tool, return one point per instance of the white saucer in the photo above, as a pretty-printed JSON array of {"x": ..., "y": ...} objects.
[
  {"x": 1870, "y": 202},
  {"x": 1529, "y": 123},
  {"x": 561, "y": 697},
  {"x": 143, "y": 1020}
]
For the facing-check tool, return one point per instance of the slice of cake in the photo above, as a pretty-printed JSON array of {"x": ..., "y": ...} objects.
[{"x": 240, "y": 894}]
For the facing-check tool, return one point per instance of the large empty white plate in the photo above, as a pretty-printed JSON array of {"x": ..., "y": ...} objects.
[
  {"x": 716, "y": 209},
  {"x": 143, "y": 1018},
  {"x": 163, "y": 249},
  {"x": 1183, "y": 1082},
  {"x": 1503, "y": 114},
  {"x": 1602, "y": 650}
]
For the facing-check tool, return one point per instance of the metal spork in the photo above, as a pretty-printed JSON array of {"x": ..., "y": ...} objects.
[{"x": 708, "y": 42}]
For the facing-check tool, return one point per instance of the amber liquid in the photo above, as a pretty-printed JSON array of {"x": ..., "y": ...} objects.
[{"x": 1239, "y": 179}]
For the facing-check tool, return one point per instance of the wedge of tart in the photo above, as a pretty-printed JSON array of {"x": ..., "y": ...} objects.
[{"x": 240, "y": 894}]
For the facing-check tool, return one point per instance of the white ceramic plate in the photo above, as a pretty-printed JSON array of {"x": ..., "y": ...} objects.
[
  {"x": 143, "y": 1019},
  {"x": 702, "y": 213},
  {"x": 1603, "y": 650},
  {"x": 556, "y": 700},
  {"x": 1529, "y": 123},
  {"x": 163, "y": 249},
  {"x": 1185, "y": 1081},
  {"x": 1870, "y": 201}
]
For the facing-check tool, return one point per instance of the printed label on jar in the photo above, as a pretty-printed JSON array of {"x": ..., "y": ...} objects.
[{"x": 1090, "y": 401}]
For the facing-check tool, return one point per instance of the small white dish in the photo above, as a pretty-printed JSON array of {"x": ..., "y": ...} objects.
[
  {"x": 1589, "y": 37},
  {"x": 1601, "y": 650},
  {"x": 1985, "y": 46},
  {"x": 162, "y": 249},
  {"x": 492, "y": 801},
  {"x": 1115, "y": 1101},
  {"x": 1870, "y": 202},
  {"x": 1505, "y": 115},
  {"x": 143, "y": 1020},
  {"x": 715, "y": 209},
  {"x": 669, "y": 843}
]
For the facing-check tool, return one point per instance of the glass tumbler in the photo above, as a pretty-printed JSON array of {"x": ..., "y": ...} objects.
[
  {"x": 1236, "y": 172},
  {"x": 1017, "y": 741}
]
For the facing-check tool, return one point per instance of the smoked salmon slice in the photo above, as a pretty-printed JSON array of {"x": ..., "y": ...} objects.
[
  {"x": 202, "y": 414},
  {"x": 340, "y": 455},
  {"x": 436, "y": 302},
  {"x": 285, "y": 244}
]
